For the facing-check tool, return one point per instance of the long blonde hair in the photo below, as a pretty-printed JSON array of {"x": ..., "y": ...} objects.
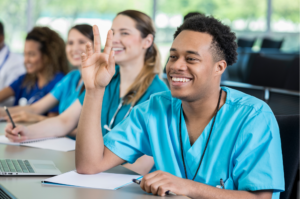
[{"x": 152, "y": 65}]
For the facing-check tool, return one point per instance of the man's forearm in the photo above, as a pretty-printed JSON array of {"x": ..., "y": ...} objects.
[{"x": 89, "y": 141}]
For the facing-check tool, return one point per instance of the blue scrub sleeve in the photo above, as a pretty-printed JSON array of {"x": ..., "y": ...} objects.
[
  {"x": 57, "y": 91},
  {"x": 258, "y": 158},
  {"x": 16, "y": 85},
  {"x": 129, "y": 139}
]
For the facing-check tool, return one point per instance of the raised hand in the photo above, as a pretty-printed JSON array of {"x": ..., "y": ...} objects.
[{"x": 98, "y": 68}]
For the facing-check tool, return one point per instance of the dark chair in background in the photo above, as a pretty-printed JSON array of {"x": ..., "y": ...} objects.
[
  {"x": 289, "y": 133},
  {"x": 245, "y": 43},
  {"x": 270, "y": 43},
  {"x": 292, "y": 81},
  {"x": 268, "y": 69},
  {"x": 281, "y": 101}
]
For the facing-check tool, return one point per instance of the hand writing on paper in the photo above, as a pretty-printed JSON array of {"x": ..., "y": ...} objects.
[
  {"x": 98, "y": 68},
  {"x": 18, "y": 134},
  {"x": 159, "y": 182}
]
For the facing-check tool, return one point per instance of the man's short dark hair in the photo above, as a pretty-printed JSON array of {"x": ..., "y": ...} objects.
[
  {"x": 190, "y": 14},
  {"x": 223, "y": 44},
  {"x": 1, "y": 28}
]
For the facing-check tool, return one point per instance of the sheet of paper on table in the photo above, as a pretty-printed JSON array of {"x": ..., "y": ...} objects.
[{"x": 101, "y": 180}]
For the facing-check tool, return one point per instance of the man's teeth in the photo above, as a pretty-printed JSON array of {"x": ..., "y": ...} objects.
[
  {"x": 175, "y": 79},
  {"x": 117, "y": 49}
]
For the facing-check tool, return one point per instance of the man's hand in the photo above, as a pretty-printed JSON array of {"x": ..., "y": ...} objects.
[
  {"x": 98, "y": 68},
  {"x": 159, "y": 182}
]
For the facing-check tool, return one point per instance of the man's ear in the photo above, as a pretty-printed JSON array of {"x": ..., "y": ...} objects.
[
  {"x": 220, "y": 67},
  {"x": 148, "y": 41}
]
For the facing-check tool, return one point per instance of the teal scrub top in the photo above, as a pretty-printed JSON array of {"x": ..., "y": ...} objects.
[
  {"x": 244, "y": 149},
  {"x": 111, "y": 99},
  {"x": 66, "y": 91}
]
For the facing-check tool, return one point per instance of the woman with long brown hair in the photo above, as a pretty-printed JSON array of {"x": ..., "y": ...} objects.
[
  {"x": 135, "y": 79},
  {"x": 68, "y": 89},
  {"x": 46, "y": 64}
]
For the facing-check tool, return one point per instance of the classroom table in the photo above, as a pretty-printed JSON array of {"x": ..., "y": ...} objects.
[{"x": 31, "y": 187}]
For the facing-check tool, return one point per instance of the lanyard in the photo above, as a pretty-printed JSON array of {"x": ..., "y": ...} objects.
[
  {"x": 109, "y": 127},
  {"x": 5, "y": 59},
  {"x": 181, "y": 147}
]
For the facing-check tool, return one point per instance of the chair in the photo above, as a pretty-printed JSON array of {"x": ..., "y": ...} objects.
[
  {"x": 268, "y": 69},
  {"x": 289, "y": 133},
  {"x": 270, "y": 43},
  {"x": 292, "y": 81},
  {"x": 245, "y": 43}
]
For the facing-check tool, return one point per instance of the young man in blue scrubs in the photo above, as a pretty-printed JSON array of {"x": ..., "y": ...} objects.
[{"x": 206, "y": 141}]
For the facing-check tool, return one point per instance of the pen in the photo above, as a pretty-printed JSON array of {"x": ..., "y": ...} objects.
[
  {"x": 7, "y": 112},
  {"x": 222, "y": 183},
  {"x": 167, "y": 192}
]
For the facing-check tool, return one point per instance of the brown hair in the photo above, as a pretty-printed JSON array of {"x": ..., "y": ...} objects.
[
  {"x": 87, "y": 31},
  {"x": 152, "y": 65},
  {"x": 53, "y": 51}
]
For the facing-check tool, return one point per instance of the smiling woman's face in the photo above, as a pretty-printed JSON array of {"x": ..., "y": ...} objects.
[
  {"x": 76, "y": 46},
  {"x": 33, "y": 57},
  {"x": 127, "y": 41}
]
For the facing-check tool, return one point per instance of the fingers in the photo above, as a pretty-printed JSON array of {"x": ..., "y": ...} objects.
[
  {"x": 16, "y": 134},
  {"x": 111, "y": 63},
  {"x": 88, "y": 49},
  {"x": 97, "y": 41},
  {"x": 108, "y": 44}
]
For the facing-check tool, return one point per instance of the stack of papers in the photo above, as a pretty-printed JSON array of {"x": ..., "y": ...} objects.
[
  {"x": 101, "y": 180},
  {"x": 59, "y": 144}
]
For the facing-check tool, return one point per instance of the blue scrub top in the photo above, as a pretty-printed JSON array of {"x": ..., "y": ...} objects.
[
  {"x": 244, "y": 149},
  {"x": 35, "y": 93},
  {"x": 66, "y": 91},
  {"x": 111, "y": 99}
]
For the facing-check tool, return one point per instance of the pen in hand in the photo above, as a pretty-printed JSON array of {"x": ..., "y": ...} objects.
[
  {"x": 167, "y": 192},
  {"x": 11, "y": 120}
]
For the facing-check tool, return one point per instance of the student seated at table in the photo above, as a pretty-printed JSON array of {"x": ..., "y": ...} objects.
[
  {"x": 46, "y": 64},
  {"x": 197, "y": 134},
  {"x": 135, "y": 79},
  {"x": 68, "y": 89}
]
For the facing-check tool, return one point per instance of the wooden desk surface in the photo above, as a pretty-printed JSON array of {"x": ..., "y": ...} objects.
[{"x": 31, "y": 187}]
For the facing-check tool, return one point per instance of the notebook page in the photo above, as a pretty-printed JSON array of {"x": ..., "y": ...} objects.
[
  {"x": 58, "y": 144},
  {"x": 4, "y": 140},
  {"x": 102, "y": 180}
]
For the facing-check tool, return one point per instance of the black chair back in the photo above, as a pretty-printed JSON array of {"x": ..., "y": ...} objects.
[
  {"x": 270, "y": 43},
  {"x": 245, "y": 43},
  {"x": 269, "y": 70},
  {"x": 289, "y": 133},
  {"x": 292, "y": 81}
]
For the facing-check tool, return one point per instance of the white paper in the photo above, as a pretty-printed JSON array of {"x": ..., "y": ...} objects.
[
  {"x": 58, "y": 144},
  {"x": 102, "y": 180}
]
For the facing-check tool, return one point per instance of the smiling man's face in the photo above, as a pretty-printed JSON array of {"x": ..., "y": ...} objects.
[{"x": 190, "y": 68}]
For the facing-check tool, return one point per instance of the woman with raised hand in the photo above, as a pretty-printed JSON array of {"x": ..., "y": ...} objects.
[
  {"x": 68, "y": 89},
  {"x": 130, "y": 82},
  {"x": 46, "y": 64}
]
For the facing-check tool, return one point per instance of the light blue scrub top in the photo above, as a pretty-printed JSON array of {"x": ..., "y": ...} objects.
[
  {"x": 111, "y": 99},
  {"x": 244, "y": 149},
  {"x": 66, "y": 91}
]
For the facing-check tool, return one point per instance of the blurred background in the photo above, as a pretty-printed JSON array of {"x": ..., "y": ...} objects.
[{"x": 267, "y": 30}]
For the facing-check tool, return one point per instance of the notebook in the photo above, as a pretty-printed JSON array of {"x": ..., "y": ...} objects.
[
  {"x": 57, "y": 143},
  {"x": 103, "y": 180}
]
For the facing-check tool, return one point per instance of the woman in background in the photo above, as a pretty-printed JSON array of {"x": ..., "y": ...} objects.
[
  {"x": 135, "y": 79},
  {"x": 46, "y": 64},
  {"x": 68, "y": 89}
]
